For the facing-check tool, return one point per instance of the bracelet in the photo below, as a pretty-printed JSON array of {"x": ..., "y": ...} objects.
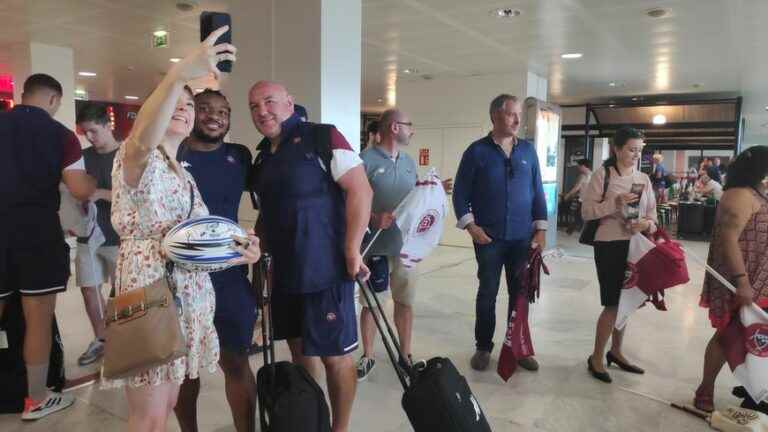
[{"x": 738, "y": 276}]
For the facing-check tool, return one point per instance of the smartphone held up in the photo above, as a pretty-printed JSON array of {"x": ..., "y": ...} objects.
[{"x": 209, "y": 22}]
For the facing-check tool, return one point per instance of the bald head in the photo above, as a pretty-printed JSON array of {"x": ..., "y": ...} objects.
[
  {"x": 394, "y": 126},
  {"x": 270, "y": 105}
]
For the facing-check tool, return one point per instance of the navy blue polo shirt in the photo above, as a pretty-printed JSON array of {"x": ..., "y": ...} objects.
[
  {"x": 504, "y": 195},
  {"x": 34, "y": 150},
  {"x": 303, "y": 208},
  {"x": 221, "y": 176}
]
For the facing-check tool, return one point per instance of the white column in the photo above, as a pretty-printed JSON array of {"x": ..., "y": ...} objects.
[
  {"x": 313, "y": 47},
  {"x": 341, "y": 67},
  {"x": 535, "y": 86},
  {"x": 55, "y": 61}
]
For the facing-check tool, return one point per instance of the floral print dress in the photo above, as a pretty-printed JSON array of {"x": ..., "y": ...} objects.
[{"x": 142, "y": 216}]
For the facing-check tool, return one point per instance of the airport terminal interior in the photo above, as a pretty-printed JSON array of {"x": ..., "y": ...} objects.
[{"x": 689, "y": 74}]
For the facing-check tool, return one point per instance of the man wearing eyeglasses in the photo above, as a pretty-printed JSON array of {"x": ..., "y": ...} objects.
[
  {"x": 498, "y": 198},
  {"x": 392, "y": 175}
]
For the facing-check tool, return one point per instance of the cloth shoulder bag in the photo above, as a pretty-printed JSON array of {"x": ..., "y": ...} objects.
[
  {"x": 589, "y": 231},
  {"x": 142, "y": 325}
]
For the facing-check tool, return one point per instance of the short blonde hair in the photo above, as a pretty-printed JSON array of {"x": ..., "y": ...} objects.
[{"x": 658, "y": 157}]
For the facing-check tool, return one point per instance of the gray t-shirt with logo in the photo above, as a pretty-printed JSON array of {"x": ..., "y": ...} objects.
[{"x": 391, "y": 180}]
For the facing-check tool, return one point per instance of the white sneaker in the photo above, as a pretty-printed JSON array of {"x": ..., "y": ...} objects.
[
  {"x": 94, "y": 352},
  {"x": 54, "y": 402},
  {"x": 364, "y": 368}
]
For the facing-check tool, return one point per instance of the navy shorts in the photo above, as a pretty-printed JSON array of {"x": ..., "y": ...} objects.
[
  {"x": 33, "y": 268},
  {"x": 325, "y": 321},
  {"x": 236, "y": 309}
]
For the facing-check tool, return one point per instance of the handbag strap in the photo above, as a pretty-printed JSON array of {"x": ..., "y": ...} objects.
[{"x": 606, "y": 181}]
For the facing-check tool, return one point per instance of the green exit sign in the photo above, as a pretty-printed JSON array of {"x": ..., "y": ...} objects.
[{"x": 160, "y": 39}]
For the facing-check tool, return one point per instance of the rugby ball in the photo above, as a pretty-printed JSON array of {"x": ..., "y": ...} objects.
[{"x": 203, "y": 244}]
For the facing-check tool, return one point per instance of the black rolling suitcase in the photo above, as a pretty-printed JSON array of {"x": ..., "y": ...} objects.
[
  {"x": 289, "y": 398},
  {"x": 437, "y": 397}
]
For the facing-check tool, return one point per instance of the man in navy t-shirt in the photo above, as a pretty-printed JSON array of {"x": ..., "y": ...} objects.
[
  {"x": 36, "y": 154},
  {"x": 221, "y": 172}
]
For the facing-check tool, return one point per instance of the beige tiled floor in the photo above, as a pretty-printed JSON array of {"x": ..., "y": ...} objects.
[{"x": 560, "y": 397}]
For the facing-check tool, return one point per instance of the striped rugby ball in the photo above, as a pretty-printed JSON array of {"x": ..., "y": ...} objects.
[{"x": 202, "y": 244}]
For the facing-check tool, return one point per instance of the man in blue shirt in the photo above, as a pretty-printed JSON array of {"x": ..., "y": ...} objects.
[
  {"x": 498, "y": 198},
  {"x": 221, "y": 171}
]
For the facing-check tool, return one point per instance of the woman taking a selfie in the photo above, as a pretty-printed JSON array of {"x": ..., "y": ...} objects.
[
  {"x": 624, "y": 204},
  {"x": 151, "y": 194}
]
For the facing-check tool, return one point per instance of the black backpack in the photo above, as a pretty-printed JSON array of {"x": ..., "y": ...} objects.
[
  {"x": 289, "y": 398},
  {"x": 13, "y": 373}
]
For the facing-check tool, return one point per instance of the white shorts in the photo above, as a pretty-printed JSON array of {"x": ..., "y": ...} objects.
[
  {"x": 402, "y": 282},
  {"x": 95, "y": 266}
]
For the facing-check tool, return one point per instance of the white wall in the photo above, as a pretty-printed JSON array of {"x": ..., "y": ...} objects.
[{"x": 448, "y": 115}]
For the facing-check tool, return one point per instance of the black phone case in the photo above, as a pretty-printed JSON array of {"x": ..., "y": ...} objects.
[{"x": 210, "y": 21}]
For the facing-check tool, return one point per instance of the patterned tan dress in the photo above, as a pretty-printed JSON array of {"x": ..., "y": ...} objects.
[
  {"x": 142, "y": 216},
  {"x": 753, "y": 243}
]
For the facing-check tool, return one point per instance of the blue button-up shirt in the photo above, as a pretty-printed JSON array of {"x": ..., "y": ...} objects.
[{"x": 502, "y": 195}]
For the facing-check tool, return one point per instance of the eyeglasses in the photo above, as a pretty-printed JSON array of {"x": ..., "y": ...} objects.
[{"x": 409, "y": 124}]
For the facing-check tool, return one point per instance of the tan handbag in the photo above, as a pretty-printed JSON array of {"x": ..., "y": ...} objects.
[
  {"x": 142, "y": 325},
  {"x": 142, "y": 331}
]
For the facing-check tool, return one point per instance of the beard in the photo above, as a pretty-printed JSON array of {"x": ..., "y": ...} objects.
[{"x": 201, "y": 135}]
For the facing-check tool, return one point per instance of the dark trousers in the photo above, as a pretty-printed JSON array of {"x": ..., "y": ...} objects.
[{"x": 511, "y": 255}]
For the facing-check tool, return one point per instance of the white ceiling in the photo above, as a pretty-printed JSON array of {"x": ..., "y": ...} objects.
[{"x": 719, "y": 45}]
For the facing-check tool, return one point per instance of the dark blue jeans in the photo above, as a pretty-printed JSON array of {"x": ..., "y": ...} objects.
[{"x": 511, "y": 255}]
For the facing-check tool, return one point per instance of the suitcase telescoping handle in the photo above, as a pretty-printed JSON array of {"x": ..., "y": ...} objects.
[
  {"x": 404, "y": 376},
  {"x": 262, "y": 284}
]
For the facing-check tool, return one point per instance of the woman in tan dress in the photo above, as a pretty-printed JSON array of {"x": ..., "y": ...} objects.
[
  {"x": 151, "y": 194},
  {"x": 738, "y": 252}
]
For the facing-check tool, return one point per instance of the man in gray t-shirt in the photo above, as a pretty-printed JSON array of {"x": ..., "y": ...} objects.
[
  {"x": 392, "y": 175},
  {"x": 96, "y": 259}
]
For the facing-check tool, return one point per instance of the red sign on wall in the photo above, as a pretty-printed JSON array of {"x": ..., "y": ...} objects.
[{"x": 424, "y": 157}]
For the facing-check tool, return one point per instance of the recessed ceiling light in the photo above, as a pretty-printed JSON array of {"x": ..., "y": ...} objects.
[
  {"x": 175, "y": 60},
  {"x": 612, "y": 84},
  {"x": 160, "y": 33},
  {"x": 634, "y": 99},
  {"x": 409, "y": 71},
  {"x": 659, "y": 119},
  {"x": 132, "y": 97},
  {"x": 380, "y": 100},
  {"x": 572, "y": 55},
  {"x": 657, "y": 12},
  {"x": 506, "y": 13},
  {"x": 87, "y": 74}
]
